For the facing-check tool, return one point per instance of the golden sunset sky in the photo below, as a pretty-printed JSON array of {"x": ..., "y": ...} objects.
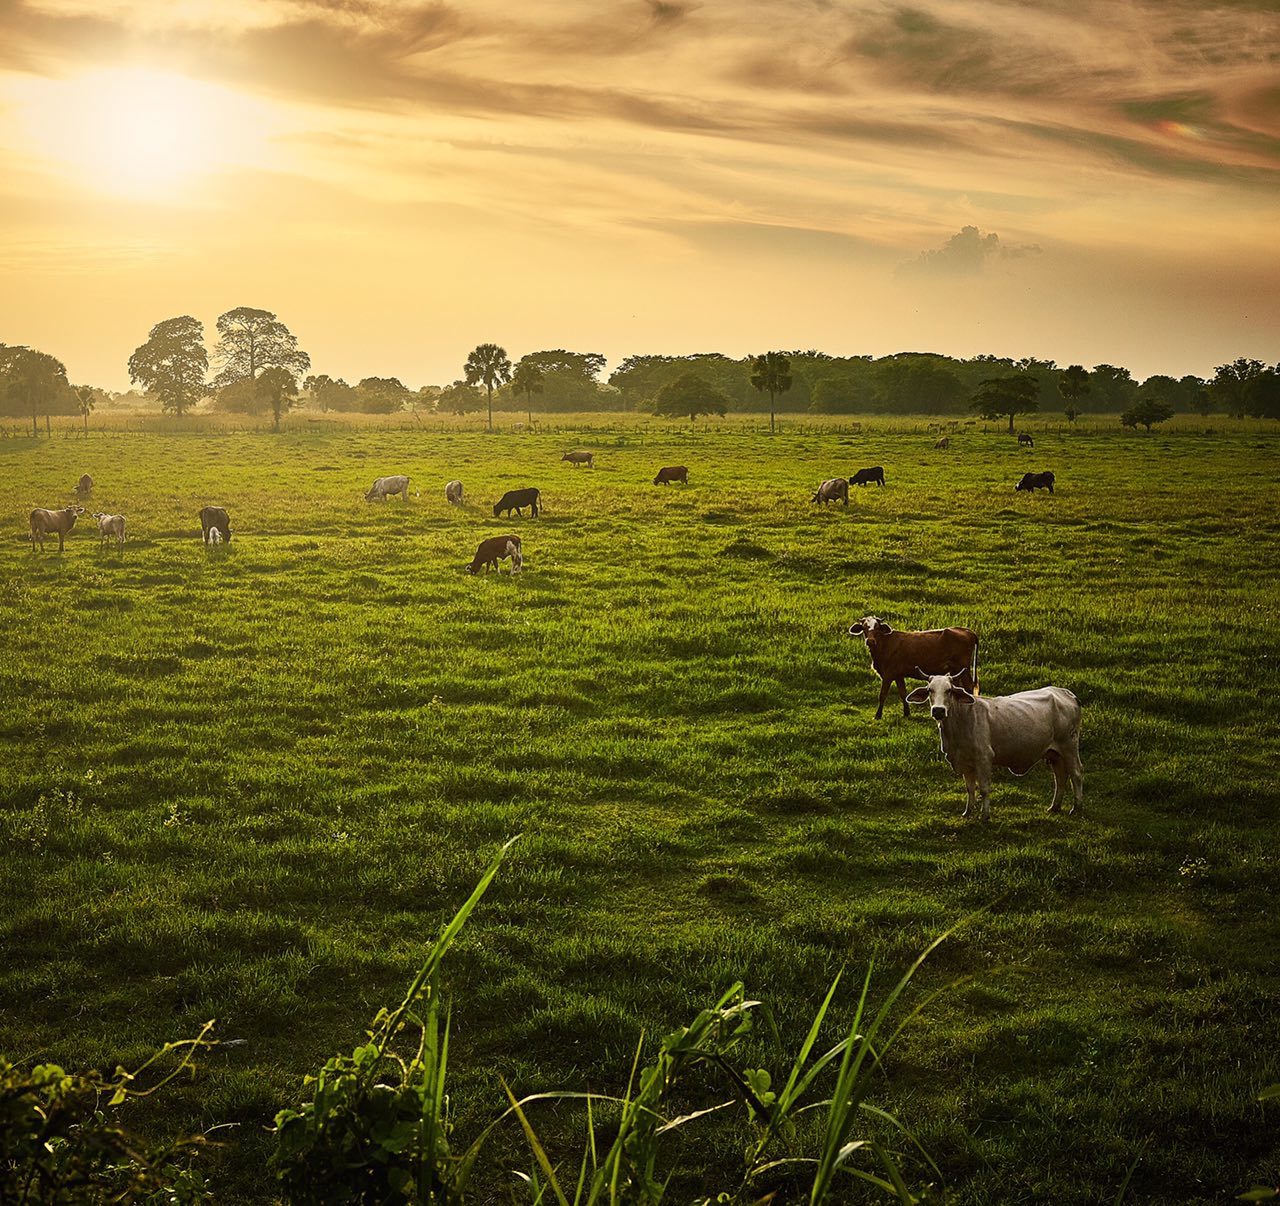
[{"x": 400, "y": 182}]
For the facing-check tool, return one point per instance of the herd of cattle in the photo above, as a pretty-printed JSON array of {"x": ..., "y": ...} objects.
[{"x": 978, "y": 734}]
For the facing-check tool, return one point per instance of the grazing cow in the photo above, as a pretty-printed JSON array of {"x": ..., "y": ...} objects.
[
  {"x": 517, "y": 500},
  {"x": 864, "y": 477},
  {"x": 830, "y": 490},
  {"x": 580, "y": 458},
  {"x": 1011, "y": 731},
  {"x": 109, "y": 527},
  {"x": 453, "y": 491},
  {"x": 493, "y": 550},
  {"x": 84, "y": 487},
  {"x": 399, "y": 484},
  {"x": 942, "y": 442},
  {"x": 215, "y": 525},
  {"x": 1036, "y": 481},
  {"x": 897, "y": 656},
  {"x": 1024, "y": 439},
  {"x": 52, "y": 523},
  {"x": 672, "y": 473}
]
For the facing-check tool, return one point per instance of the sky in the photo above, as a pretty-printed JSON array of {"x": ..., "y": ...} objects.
[{"x": 1087, "y": 181}]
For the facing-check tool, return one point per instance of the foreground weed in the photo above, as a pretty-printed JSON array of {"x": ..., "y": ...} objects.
[{"x": 62, "y": 1140}]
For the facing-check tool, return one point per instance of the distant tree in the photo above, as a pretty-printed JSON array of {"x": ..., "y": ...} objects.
[
  {"x": 86, "y": 397},
  {"x": 33, "y": 381},
  {"x": 1196, "y": 395},
  {"x": 914, "y": 382},
  {"x": 1230, "y": 384},
  {"x": 1147, "y": 412},
  {"x": 278, "y": 388},
  {"x": 1262, "y": 396},
  {"x": 488, "y": 365},
  {"x": 690, "y": 395},
  {"x": 316, "y": 385},
  {"x": 241, "y": 397},
  {"x": 1000, "y": 396},
  {"x": 1073, "y": 384},
  {"x": 381, "y": 395},
  {"x": 770, "y": 374},
  {"x": 172, "y": 364},
  {"x": 1113, "y": 387},
  {"x": 527, "y": 380},
  {"x": 460, "y": 398},
  {"x": 250, "y": 341},
  {"x": 427, "y": 398}
]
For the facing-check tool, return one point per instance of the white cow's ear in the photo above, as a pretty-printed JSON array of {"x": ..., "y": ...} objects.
[
  {"x": 919, "y": 695},
  {"x": 961, "y": 691}
]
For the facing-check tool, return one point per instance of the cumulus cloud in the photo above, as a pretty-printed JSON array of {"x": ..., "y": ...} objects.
[{"x": 966, "y": 253}]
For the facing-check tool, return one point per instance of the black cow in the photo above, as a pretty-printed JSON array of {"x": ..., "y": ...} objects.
[
  {"x": 864, "y": 477},
  {"x": 1024, "y": 439},
  {"x": 215, "y": 519},
  {"x": 517, "y": 500},
  {"x": 1036, "y": 481}
]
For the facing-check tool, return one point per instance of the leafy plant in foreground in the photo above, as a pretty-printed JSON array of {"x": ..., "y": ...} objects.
[{"x": 61, "y": 1140}]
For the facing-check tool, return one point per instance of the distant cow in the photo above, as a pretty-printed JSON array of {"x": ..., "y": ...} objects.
[
  {"x": 517, "y": 500},
  {"x": 453, "y": 491},
  {"x": 493, "y": 550},
  {"x": 580, "y": 458},
  {"x": 1011, "y": 731},
  {"x": 215, "y": 519},
  {"x": 832, "y": 489},
  {"x": 897, "y": 656},
  {"x": 52, "y": 523},
  {"x": 399, "y": 484},
  {"x": 110, "y": 527},
  {"x": 84, "y": 487},
  {"x": 672, "y": 473},
  {"x": 942, "y": 442},
  {"x": 864, "y": 477},
  {"x": 1036, "y": 481},
  {"x": 1026, "y": 440}
]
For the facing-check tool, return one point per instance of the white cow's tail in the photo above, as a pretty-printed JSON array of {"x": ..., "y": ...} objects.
[{"x": 973, "y": 666}]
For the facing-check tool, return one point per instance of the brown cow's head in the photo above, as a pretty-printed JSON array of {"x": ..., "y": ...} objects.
[
  {"x": 870, "y": 629},
  {"x": 940, "y": 693}
]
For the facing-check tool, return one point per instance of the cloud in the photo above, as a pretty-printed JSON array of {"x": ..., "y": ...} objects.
[{"x": 965, "y": 254}]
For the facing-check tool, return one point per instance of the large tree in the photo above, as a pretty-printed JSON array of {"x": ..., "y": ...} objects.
[
  {"x": 1231, "y": 383},
  {"x": 172, "y": 363},
  {"x": 527, "y": 380},
  {"x": 33, "y": 381},
  {"x": 1113, "y": 386},
  {"x": 459, "y": 398},
  {"x": 997, "y": 397},
  {"x": 690, "y": 395},
  {"x": 250, "y": 341},
  {"x": 488, "y": 365},
  {"x": 771, "y": 374}
]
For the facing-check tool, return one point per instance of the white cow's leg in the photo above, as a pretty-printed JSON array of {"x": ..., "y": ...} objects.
[
  {"x": 1077, "y": 786},
  {"x": 984, "y": 791},
  {"x": 1059, "y": 768},
  {"x": 969, "y": 787}
]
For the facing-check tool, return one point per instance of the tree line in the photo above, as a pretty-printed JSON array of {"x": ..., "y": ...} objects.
[{"x": 260, "y": 369}]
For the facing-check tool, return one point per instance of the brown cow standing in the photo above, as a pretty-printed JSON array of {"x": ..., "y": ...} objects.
[
  {"x": 580, "y": 457},
  {"x": 493, "y": 550},
  {"x": 897, "y": 656},
  {"x": 672, "y": 473}
]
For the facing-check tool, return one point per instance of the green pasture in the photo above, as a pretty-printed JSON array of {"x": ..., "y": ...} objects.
[{"x": 250, "y": 783}]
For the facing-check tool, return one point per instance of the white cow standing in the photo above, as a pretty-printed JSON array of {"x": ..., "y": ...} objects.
[
  {"x": 980, "y": 733},
  {"x": 399, "y": 484}
]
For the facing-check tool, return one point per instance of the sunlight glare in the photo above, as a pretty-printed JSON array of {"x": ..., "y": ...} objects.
[{"x": 138, "y": 132}]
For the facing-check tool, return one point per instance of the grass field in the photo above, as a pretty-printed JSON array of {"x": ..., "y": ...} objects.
[{"x": 250, "y": 783}]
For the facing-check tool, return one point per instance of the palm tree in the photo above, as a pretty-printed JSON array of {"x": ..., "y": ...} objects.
[
  {"x": 771, "y": 373},
  {"x": 489, "y": 366},
  {"x": 527, "y": 380}
]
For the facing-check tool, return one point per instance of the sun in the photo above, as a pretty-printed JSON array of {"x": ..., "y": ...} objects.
[{"x": 139, "y": 132}]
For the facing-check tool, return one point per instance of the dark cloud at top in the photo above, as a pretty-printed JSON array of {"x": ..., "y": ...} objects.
[{"x": 966, "y": 253}]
